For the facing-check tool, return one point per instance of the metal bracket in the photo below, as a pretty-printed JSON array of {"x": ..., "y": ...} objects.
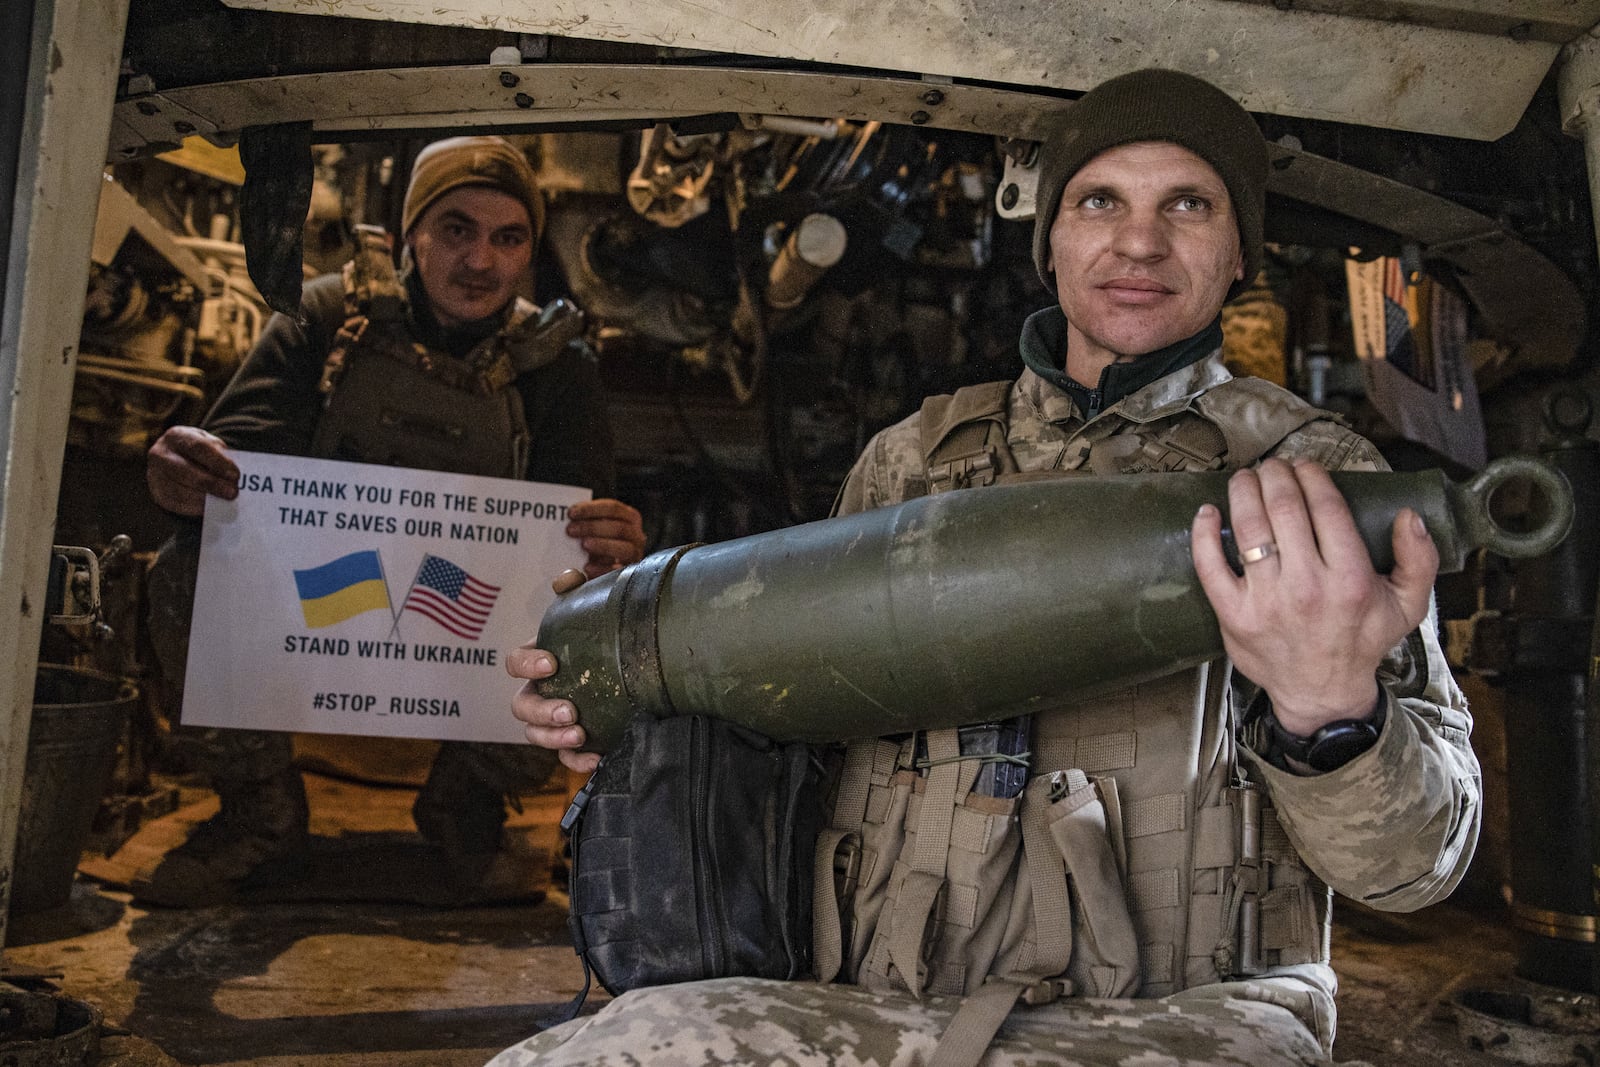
[
  {"x": 1019, "y": 185},
  {"x": 74, "y": 593}
]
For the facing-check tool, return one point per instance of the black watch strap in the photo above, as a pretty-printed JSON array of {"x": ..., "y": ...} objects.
[{"x": 1329, "y": 748}]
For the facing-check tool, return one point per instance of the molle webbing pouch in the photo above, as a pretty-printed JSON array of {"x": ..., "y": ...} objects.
[
  {"x": 691, "y": 856},
  {"x": 941, "y": 886}
]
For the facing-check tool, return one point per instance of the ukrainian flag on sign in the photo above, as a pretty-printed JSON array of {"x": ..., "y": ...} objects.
[{"x": 342, "y": 589}]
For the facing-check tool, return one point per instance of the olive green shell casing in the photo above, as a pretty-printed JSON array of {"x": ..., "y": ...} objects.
[{"x": 952, "y": 609}]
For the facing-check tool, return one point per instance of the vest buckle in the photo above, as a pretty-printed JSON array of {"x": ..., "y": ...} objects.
[
  {"x": 964, "y": 472},
  {"x": 1046, "y": 991},
  {"x": 847, "y": 866}
]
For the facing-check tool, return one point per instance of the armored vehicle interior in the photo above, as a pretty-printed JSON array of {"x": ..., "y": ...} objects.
[{"x": 786, "y": 226}]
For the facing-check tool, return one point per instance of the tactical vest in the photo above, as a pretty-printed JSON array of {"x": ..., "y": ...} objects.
[
  {"x": 1137, "y": 861},
  {"x": 391, "y": 400}
]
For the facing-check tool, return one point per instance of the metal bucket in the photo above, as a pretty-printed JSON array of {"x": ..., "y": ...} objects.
[
  {"x": 78, "y": 719},
  {"x": 47, "y": 1030}
]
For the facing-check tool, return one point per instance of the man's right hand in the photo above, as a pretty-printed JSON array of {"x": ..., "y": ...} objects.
[
  {"x": 1310, "y": 621},
  {"x": 548, "y": 723},
  {"x": 185, "y": 465}
]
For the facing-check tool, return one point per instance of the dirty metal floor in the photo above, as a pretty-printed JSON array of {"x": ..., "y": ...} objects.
[{"x": 398, "y": 985}]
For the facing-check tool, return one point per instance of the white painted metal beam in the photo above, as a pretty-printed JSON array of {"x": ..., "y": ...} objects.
[
  {"x": 1373, "y": 67},
  {"x": 541, "y": 94},
  {"x": 72, "y": 81}
]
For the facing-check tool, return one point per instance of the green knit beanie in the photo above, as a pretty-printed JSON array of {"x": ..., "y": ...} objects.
[{"x": 1158, "y": 105}]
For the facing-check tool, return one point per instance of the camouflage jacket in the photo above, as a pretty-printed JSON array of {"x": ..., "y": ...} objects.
[{"x": 1396, "y": 827}]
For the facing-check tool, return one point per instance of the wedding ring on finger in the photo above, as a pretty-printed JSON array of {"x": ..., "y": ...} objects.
[{"x": 1258, "y": 553}]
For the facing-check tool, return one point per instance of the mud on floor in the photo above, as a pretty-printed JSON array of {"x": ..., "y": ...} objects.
[{"x": 364, "y": 982}]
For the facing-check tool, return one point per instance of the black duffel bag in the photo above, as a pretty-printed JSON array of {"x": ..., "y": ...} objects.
[{"x": 691, "y": 856}]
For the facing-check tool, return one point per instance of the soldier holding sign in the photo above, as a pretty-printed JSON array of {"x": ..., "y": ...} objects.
[{"x": 439, "y": 367}]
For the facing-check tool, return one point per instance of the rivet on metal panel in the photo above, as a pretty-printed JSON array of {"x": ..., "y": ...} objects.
[
  {"x": 918, "y": 118},
  {"x": 508, "y": 79},
  {"x": 147, "y": 108},
  {"x": 933, "y": 98},
  {"x": 183, "y": 127},
  {"x": 1009, "y": 196},
  {"x": 1283, "y": 163},
  {"x": 523, "y": 100}
]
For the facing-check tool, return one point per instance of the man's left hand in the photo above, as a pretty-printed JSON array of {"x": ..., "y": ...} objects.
[
  {"x": 1310, "y": 621},
  {"x": 611, "y": 532}
]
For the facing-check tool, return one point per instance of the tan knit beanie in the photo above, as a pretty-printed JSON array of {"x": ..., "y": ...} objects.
[
  {"x": 1158, "y": 105},
  {"x": 458, "y": 161}
]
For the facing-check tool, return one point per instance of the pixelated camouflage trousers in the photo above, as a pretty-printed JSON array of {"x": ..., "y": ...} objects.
[
  {"x": 230, "y": 756},
  {"x": 802, "y": 1024}
]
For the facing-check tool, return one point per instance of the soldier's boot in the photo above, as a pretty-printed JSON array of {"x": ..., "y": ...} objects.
[
  {"x": 258, "y": 838},
  {"x": 461, "y": 808}
]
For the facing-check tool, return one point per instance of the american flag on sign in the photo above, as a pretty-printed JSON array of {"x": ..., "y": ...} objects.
[{"x": 451, "y": 597}]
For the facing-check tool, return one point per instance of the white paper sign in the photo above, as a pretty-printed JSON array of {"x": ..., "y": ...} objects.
[{"x": 344, "y": 598}]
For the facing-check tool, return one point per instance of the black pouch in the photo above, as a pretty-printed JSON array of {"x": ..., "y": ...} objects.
[{"x": 691, "y": 856}]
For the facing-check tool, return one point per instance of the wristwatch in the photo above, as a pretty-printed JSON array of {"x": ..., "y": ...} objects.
[{"x": 1329, "y": 748}]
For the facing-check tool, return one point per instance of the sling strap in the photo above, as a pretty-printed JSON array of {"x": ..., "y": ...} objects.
[
  {"x": 950, "y": 778},
  {"x": 838, "y": 860},
  {"x": 972, "y": 1029}
]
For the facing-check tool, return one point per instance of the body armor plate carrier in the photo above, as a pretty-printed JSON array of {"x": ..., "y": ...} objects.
[
  {"x": 1137, "y": 860},
  {"x": 391, "y": 400}
]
